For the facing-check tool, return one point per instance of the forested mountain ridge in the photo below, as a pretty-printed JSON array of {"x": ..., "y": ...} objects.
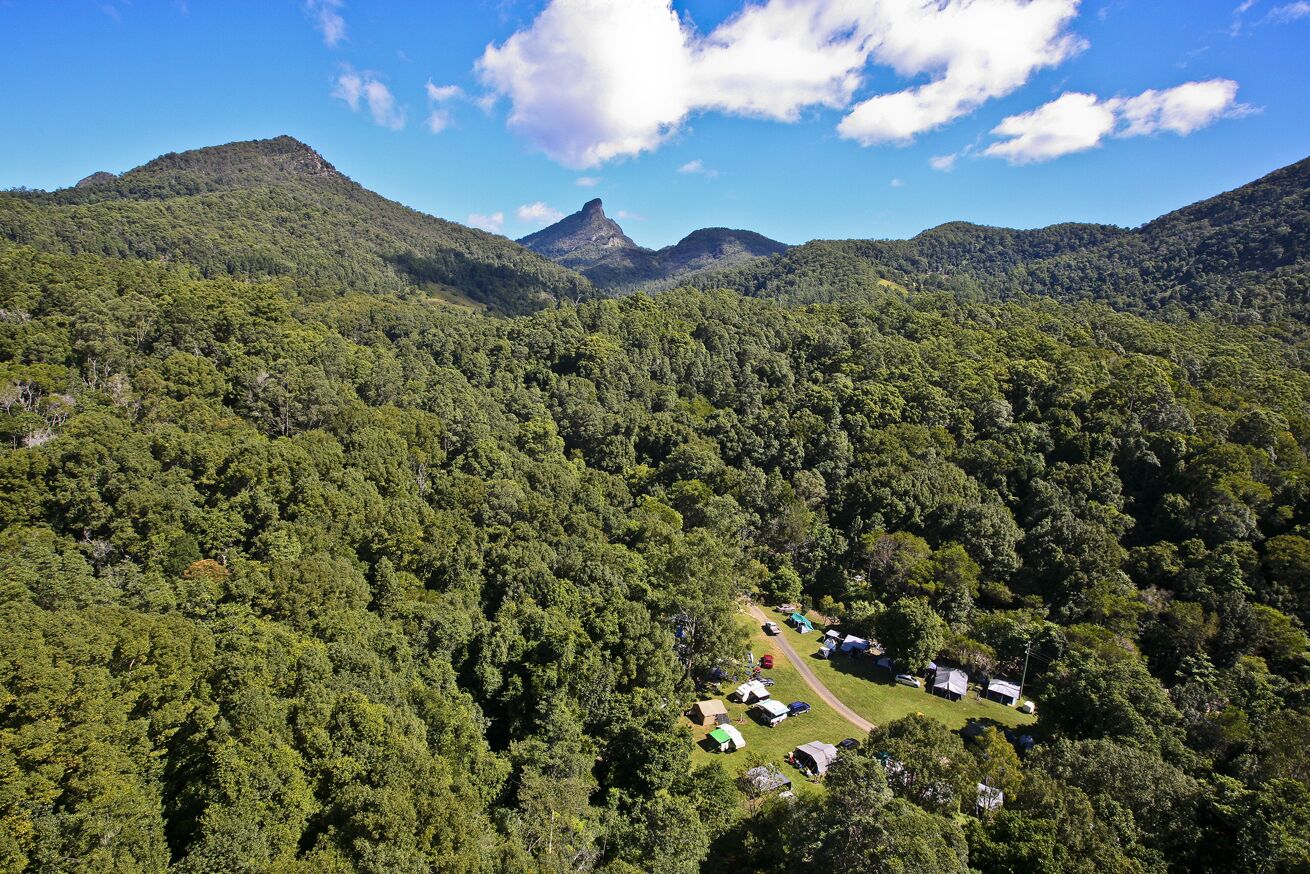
[
  {"x": 595, "y": 245},
  {"x": 358, "y": 582},
  {"x": 276, "y": 208},
  {"x": 1243, "y": 256},
  {"x": 303, "y": 570}
]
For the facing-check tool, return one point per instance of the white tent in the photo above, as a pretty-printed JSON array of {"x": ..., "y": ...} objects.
[
  {"x": 950, "y": 683},
  {"x": 854, "y": 644},
  {"x": 765, "y": 778},
  {"x": 1003, "y": 691},
  {"x": 989, "y": 798},
  {"x": 751, "y": 691}
]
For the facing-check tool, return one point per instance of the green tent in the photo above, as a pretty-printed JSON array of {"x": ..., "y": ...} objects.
[
  {"x": 798, "y": 620},
  {"x": 727, "y": 736}
]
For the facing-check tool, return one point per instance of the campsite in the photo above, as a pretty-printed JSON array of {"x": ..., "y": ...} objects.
[
  {"x": 773, "y": 745},
  {"x": 854, "y": 679},
  {"x": 870, "y": 691}
]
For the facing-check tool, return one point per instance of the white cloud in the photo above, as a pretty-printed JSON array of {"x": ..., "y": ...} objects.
[
  {"x": 697, "y": 167},
  {"x": 439, "y": 116},
  {"x": 1072, "y": 123},
  {"x": 438, "y": 120},
  {"x": 1238, "y": 21},
  {"x": 327, "y": 19},
  {"x": 1290, "y": 12},
  {"x": 972, "y": 50},
  {"x": 538, "y": 213},
  {"x": 593, "y": 80},
  {"x": 897, "y": 183},
  {"x": 1183, "y": 110},
  {"x": 350, "y": 88},
  {"x": 624, "y": 215},
  {"x": 492, "y": 223},
  {"x": 944, "y": 163},
  {"x": 587, "y": 181},
  {"x": 1077, "y": 122},
  {"x": 365, "y": 89},
  {"x": 443, "y": 93}
]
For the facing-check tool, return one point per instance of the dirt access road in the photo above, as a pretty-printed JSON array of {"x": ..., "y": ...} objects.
[{"x": 811, "y": 680}]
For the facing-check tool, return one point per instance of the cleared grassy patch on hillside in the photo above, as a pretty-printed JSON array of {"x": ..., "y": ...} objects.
[
  {"x": 872, "y": 693},
  {"x": 764, "y": 744}
]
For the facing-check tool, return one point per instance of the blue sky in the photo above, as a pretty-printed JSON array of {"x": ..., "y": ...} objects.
[{"x": 798, "y": 118}]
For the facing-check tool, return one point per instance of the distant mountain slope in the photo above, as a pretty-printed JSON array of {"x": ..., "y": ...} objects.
[
  {"x": 596, "y": 246},
  {"x": 1243, "y": 255},
  {"x": 277, "y": 208}
]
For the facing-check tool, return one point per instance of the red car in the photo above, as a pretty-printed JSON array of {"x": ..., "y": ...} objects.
[{"x": 766, "y": 661}]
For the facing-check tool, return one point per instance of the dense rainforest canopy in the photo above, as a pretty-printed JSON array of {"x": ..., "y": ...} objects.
[{"x": 304, "y": 577}]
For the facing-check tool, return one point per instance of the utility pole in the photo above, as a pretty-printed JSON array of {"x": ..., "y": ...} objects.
[{"x": 1026, "y": 653}]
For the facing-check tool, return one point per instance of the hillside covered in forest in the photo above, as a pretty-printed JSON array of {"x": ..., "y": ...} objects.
[
  {"x": 303, "y": 569},
  {"x": 1242, "y": 256},
  {"x": 275, "y": 208}
]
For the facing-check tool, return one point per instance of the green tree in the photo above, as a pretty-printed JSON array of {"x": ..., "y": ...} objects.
[{"x": 911, "y": 632}]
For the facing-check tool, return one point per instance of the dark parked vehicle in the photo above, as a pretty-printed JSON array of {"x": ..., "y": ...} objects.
[
  {"x": 849, "y": 744},
  {"x": 796, "y": 708},
  {"x": 766, "y": 661}
]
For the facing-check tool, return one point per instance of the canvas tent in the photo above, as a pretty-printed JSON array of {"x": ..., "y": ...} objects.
[
  {"x": 814, "y": 756},
  {"x": 854, "y": 644},
  {"x": 708, "y": 712},
  {"x": 765, "y": 778},
  {"x": 989, "y": 798},
  {"x": 800, "y": 623},
  {"x": 1003, "y": 691},
  {"x": 727, "y": 739},
  {"x": 950, "y": 683},
  {"x": 772, "y": 712}
]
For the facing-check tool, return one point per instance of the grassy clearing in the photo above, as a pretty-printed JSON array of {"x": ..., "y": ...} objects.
[
  {"x": 452, "y": 297},
  {"x": 871, "y": 692},
  {"x": 863, "y": 687},
  {"x": 764, "y": 744}
]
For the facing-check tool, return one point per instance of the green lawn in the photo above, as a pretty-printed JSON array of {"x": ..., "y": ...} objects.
[
  {"x": 765, "y": 744},
  {"x": 864, "y": 688},
  {"x": 870, "y": 692}
]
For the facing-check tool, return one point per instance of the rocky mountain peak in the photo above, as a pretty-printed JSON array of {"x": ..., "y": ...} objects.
[{"x": 582, "y": 238}]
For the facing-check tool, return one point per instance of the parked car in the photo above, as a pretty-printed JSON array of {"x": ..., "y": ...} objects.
[
  {"x": 768, "y": 681},
  {"x": 796, "y": 708},
  {"x": 884, "y": 662},
  {"x": 909, "y": 680},
  {"x": 849, "y": 744},
  {"x": 766, "y": 660},
  {"x": 772, "y": 628}
]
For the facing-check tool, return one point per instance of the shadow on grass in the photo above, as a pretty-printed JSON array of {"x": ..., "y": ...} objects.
[
  {"x": 707, "y": 745},
  {"x": 864, "y": 667}
]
